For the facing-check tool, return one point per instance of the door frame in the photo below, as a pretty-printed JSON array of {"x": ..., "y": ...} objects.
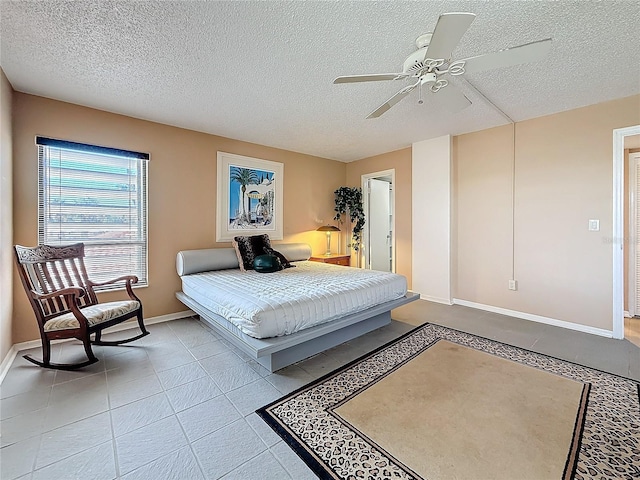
[
  {"x": 365, "y": 205},
  {"x": 617, "y": 240}
]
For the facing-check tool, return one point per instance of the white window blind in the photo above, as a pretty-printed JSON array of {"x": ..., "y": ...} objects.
[{"x": 98, "y": 196}]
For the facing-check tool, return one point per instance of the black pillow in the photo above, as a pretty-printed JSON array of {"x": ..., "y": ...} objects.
[
  {"x": 248, "y": 248},
  {"x": 283, "y": 260}
]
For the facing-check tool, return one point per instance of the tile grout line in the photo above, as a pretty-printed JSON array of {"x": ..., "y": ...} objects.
[
  {"x": 117, "y": 460},
  {"x": 189, "y": 442},
  {"x": 113, "y": 433}
]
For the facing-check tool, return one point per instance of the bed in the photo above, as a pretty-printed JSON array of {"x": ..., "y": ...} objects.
[{"x": 283, "y": 317}]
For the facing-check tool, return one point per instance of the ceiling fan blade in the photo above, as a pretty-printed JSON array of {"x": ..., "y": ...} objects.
[
  {"x": 393, "y": 100},
  {"x": 529, "y": 52},
  {"x": 376, "y": 77},
  {"x": 450, "y": 98},
  {"x": 447, "y": 34}
]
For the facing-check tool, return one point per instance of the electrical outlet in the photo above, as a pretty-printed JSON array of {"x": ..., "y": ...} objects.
[{"x": 513, "y": 285}]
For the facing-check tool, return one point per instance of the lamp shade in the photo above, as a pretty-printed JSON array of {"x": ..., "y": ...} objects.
[{"x": 328, "y": 228}]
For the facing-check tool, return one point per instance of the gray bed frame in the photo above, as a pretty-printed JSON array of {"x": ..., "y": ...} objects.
[{"x": 277, "y": 352}]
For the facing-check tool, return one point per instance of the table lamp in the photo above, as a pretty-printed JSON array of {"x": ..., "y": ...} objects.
[{"x": 328, "y": 229}]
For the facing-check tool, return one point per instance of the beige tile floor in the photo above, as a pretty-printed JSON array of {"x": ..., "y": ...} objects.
[{"x": 179, "y": 404}]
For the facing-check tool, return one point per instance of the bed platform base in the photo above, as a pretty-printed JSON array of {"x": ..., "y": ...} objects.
[{"x": 278, "y": 352}]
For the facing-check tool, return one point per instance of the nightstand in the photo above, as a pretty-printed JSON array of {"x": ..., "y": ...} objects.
[{"x": 334, "y": 258}]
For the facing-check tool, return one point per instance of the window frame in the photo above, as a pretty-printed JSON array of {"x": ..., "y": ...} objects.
[{"x": 141, "y": 177}]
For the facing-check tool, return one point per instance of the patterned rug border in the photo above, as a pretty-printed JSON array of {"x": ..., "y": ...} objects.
[{"x": 323, "y": 471}]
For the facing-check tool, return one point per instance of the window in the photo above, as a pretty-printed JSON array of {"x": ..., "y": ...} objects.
[{"x": 98, "y": 196}]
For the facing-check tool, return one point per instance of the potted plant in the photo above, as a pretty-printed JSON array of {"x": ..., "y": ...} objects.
[{"x": 349, "y": 205}]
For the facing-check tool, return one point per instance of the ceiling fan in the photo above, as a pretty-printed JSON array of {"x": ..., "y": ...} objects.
[{"x": 430, "y": 65}]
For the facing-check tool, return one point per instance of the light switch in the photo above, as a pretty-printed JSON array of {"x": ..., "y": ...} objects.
[{"x": 594, "y": 225}]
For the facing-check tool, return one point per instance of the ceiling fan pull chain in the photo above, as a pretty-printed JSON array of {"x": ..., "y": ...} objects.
[{"x": 420, "y": 101}]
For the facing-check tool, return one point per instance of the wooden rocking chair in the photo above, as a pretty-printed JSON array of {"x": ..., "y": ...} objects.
[{"x": 65, "y": 304}]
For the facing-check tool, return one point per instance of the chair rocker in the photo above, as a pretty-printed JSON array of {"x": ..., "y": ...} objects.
[{"x": 64, "y": 301}]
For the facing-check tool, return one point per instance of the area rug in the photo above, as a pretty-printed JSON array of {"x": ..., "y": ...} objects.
[{"x": 438, "y": 403}]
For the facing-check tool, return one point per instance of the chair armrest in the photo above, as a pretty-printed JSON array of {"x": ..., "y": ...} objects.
[
  {"x": 73, "y": 291},
  {"x": 127, "y": 278},
  {"x": 72, "y": 294}
]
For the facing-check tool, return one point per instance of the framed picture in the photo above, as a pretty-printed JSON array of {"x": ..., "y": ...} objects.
[{"x": 249, "y": 200}]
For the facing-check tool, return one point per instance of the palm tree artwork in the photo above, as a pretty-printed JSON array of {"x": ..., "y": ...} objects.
[{"x": 244, "y": 176}]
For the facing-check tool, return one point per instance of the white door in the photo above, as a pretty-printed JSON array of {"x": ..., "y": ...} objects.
[{"x": 379, "y": 219}]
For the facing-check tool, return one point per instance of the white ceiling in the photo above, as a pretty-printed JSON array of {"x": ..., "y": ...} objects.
[{"x": 262, "y": 71}]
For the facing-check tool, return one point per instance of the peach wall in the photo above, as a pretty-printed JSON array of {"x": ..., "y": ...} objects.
[
  {"x": 6, "y": 226},
  {"x": 482, "y": 225},
  {"x": 182, "y": 189},
  {"x": 563, "y": 178},
  {"x": 401, "y": 161}
]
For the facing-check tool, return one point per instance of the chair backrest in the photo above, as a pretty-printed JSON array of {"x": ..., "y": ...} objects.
[{"x": 45, "y": 269}]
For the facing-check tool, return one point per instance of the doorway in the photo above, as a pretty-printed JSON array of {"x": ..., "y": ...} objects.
[
  {"x": 379, "y": 230},
  {"x": 620, "y": 137},
  {"x": 632, "y": 260}
]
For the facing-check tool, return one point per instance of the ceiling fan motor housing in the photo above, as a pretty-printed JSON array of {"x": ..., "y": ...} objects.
[
  {"x": 415, "y": 61},
  {"x": 416, "y": 64}
]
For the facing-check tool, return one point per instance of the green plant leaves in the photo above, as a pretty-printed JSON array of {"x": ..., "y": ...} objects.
[{"x": 349, "y": 200}]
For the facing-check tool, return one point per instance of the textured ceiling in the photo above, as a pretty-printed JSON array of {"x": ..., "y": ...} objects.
[{"x": 262, "y": 71}]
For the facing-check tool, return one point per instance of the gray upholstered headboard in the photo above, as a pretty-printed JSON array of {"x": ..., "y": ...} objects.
[{"x": 207, "y": 259}]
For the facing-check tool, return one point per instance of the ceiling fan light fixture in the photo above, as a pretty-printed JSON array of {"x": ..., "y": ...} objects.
[{"x": 428, "y": 78}]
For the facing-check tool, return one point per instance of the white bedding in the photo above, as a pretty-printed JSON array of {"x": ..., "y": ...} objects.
[{"x": 266, "y": 305}]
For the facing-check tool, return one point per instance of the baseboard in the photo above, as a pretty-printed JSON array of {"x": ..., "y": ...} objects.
[
  {"x": 7, "y": 362},
  {"x": 445, "y": 301},
  {"x": 17, "y": 347},
  {"x": 536, "y": 318},
  {"x": 626, "y": 314}
]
